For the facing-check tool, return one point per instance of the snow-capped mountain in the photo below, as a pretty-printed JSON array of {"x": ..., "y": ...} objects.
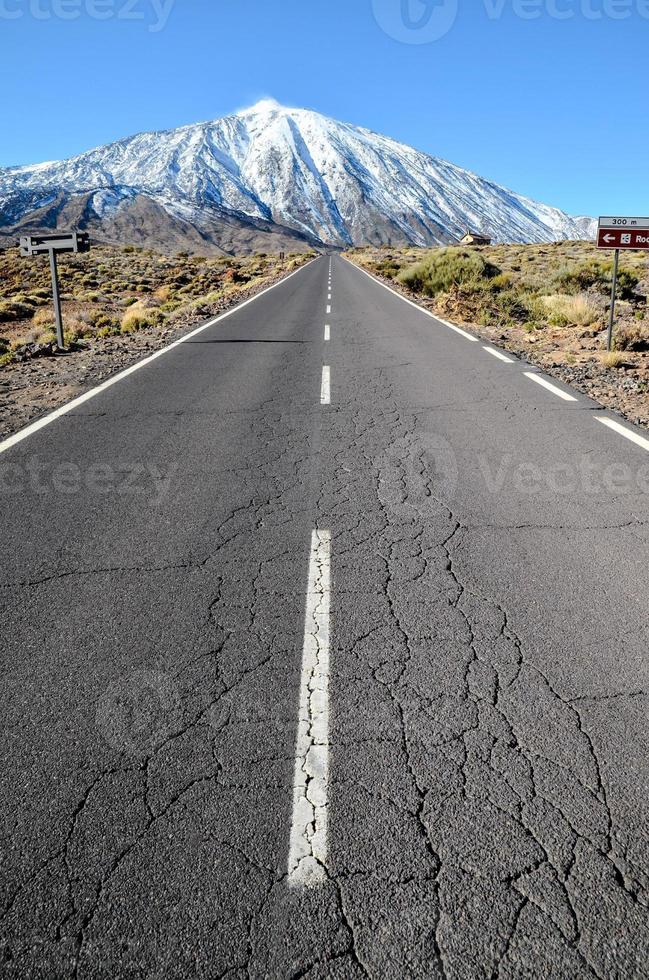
[{"x": 274, "y": 175}]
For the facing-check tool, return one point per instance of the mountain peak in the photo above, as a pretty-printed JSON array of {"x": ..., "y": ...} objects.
[
  {"x": 267, "y": 104},
  {"x": 309, "y": 177}
]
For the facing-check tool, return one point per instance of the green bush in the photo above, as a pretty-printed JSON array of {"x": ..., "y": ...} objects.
[
  {"x": 596, "y": 275},
  {"x": 101, "y": 321},
  {"x": 501, "y": 281},
  {"x": 626, "y": 283},
  {"x": 443, "y": 269},
  {"x": 513, "y": 306},
  {"x": 388, "y": 268}
]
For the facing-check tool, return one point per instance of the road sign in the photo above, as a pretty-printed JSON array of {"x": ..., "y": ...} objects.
[
  {"x": 623, "y": 238},
  {"x": 621, "y": 234},
  {"x": 54, "y": 245},
  {"x": 63, "y": 242},
  {"x": 624, "y": 233},
  {"x": 617, "y": 222}
]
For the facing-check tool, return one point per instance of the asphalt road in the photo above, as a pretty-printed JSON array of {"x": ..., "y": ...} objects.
[{"x": 411, "y": 744}]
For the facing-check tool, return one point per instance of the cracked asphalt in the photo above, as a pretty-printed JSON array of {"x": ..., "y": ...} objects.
[{"x": 488, "y": 770}]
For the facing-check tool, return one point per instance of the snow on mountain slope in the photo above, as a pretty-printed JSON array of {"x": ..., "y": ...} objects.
[{"x": 290, "y": 169}]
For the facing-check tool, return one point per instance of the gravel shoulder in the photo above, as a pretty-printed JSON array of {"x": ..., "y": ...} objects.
[{"x": 571, "y": 353}]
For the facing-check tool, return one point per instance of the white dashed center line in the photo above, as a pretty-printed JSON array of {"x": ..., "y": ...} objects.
[
  {"x": 496, "y": 353},
  {"x": 547, "y": 384},
  {"x": 327, "y": 333},
  {"x": 307, "y": 857},
  {"x": 328, "y": 309},
  {"x": 325, "y": 390},
  {"x": 627, "y": 433}
]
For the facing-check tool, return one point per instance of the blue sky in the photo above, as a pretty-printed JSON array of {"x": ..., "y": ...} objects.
[{"x": 502, "y": 87}]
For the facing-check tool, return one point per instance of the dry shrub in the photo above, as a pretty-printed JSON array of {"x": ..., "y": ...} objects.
[
  {"x": 563, "y": 311},
  {"x": 632, "y": 336},
  {"x": 163, "y": 294},
  {"x": 613, "y": 359},
  {"x": 137, "y": 318},
  {"x": 44, "y": 318}
]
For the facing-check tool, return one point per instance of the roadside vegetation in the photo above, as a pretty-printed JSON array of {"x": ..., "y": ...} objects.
[
  {"x": 547, "y": 303},
  {"x": 113, "y": 291}
]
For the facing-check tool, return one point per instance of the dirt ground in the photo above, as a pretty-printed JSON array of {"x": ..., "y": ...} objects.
[{"x": 118, "y": 307}]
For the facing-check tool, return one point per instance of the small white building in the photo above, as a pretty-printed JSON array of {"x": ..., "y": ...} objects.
[{"x": 475, "y": 238}]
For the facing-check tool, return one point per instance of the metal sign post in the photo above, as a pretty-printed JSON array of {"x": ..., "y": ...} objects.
[
  {"x": 52, "y": 245},
  {"x": 57, "y": 300},
  {"x": 621, "y": 233},
  {"x": 611, "y": 319}
]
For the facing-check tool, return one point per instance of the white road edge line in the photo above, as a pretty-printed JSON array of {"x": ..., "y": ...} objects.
[
  {"x": 76, "y": 402},
  {"x": 307, "y": 856},
  {"x": 620, "y": 429},
  {"x": 548, "y": 384},
  {"x": 327, "y": 333},
  {"x": 496, "y": 353},
  {"x": 325, "y": 390},
  {"x": 451, "y": 326}
]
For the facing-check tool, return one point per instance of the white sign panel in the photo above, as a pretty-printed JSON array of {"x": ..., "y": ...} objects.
[{"x": 624, "y": 222}]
